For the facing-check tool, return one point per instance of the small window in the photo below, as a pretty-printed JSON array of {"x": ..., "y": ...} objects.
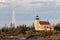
[
  {"x": 44, "y": 26},
  {"x": 47, "y": 26}
]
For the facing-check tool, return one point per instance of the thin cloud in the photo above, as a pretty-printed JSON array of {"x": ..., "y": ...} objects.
[
  {"x": 5, "y": 1},
  {"x": 33, "y": 3},
  {"x": 3, "y": 6},
  {"x": 42, "y": 0}
]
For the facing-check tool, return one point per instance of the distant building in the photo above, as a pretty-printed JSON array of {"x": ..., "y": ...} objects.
[{"x": 42, "y": 25}]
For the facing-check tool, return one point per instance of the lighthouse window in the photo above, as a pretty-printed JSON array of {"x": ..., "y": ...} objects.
[
  {"x": 47, "y": 27},
  {"x": 44, "y": 26}
]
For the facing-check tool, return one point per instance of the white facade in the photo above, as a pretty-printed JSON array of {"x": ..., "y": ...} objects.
[{"x": 43, "y": 26}]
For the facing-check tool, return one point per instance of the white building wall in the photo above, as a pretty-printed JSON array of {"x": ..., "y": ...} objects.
[{"x": 36, "y": 23}]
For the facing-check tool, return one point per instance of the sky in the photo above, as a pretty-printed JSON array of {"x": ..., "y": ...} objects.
[{"x": 26, "y": 11}]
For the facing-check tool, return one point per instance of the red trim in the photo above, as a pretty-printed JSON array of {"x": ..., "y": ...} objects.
[{"x": 44, "y": 23}]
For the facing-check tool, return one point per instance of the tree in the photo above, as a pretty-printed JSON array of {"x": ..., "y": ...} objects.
[
  {"x": 5, "y": 28},
  {"x": 32, "y": 27},
  {"x": 57, "y": 27}
]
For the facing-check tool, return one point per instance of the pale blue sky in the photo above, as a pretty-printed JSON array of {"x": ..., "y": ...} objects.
[{"x": 26, "y": 10}]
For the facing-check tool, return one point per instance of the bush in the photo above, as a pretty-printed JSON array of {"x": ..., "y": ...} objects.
[
  {"x": 57, "y": 27},
  {"x": 46, "y": 33}
]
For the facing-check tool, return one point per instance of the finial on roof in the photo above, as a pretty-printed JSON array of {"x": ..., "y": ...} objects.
[{"x": 37, "y": 17}]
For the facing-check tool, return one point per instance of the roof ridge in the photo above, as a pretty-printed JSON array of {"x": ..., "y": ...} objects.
[{"x": 44, "y": 23}]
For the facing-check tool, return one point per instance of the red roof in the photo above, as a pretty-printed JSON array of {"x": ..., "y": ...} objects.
[{"x": 44, "y": 23}]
